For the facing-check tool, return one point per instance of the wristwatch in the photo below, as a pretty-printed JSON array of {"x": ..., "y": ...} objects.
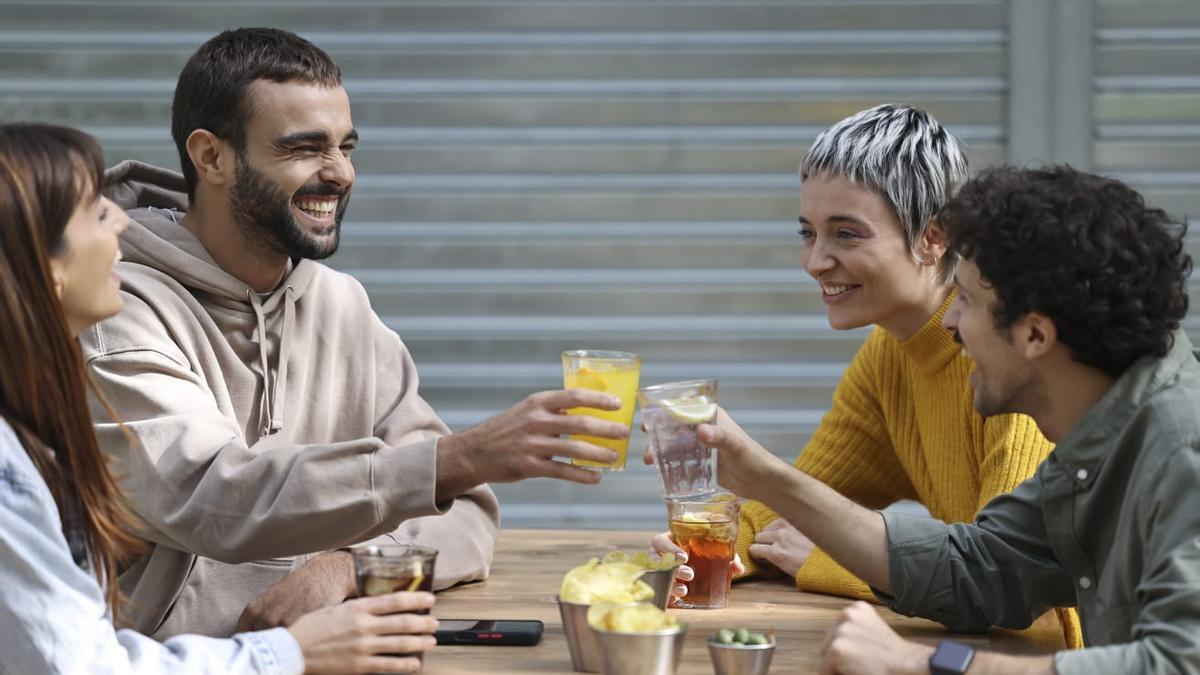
[{"x": 951, "y": 658}]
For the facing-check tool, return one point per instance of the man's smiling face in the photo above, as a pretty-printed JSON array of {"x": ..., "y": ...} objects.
[
  {"x": 1003, "y": 380},
  {"x": 294, "y": 177}
]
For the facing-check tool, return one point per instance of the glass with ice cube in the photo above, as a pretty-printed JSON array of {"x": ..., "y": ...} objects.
[
  {"x": 671, "y": 413},
  {"x": 380, "y": 570}
]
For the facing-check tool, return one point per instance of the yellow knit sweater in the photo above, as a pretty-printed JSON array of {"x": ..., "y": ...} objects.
[{"x": 903, "y": 426}]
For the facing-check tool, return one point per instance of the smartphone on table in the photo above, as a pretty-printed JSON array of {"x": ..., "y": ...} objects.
[{"x": 524, "y": 632}]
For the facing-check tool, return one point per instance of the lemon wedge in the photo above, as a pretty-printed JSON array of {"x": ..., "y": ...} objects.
[
  {"x": 692, "y": 410},
  {"x": 418, "y": 577},
  {"x": 586, "y": 378}
]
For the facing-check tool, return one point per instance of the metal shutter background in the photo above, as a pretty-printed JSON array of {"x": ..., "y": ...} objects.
[{"x": 540, "y": 175}]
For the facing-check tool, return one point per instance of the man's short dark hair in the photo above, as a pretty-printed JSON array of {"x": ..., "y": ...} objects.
[
  {"x": 211, "y": 93},
  {"x": 1081, "y": 249}
]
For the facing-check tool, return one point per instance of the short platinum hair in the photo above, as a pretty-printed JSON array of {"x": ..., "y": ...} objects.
[{"x": 901, "y": 153}]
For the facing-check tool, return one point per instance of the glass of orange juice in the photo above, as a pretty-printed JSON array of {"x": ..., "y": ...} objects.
[{"x": 614, "y": 373}]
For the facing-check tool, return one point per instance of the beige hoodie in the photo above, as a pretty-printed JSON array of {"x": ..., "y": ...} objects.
[{"x": 270, "y": 427}]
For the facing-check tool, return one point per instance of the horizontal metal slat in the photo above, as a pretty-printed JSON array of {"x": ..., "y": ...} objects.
[
  {"x": 83, "y": 88},
  {"x": 608, "y": 277},
  {"x": 785, "y": 326},
  {"x": 514, "y": 16},
  {"x": 125, "y": 40},
  {"x": 471, "y": 136}
]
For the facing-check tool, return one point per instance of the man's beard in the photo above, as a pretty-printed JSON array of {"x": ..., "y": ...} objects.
[
  {"x": 1016, "y": 393},
  {"x": 263, "y": 212}
]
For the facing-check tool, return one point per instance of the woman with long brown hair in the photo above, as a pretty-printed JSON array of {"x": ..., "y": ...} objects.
[{"x": 65, "y": 532}]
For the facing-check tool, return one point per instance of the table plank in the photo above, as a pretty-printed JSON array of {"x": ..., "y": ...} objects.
[{"x": 529, "y": 567}]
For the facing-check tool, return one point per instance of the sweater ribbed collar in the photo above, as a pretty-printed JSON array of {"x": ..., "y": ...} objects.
[{"x": 933, "y": 347}]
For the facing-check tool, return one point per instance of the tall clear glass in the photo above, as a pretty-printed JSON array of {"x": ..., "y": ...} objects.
[
  {"x": 614, "y": 373},
  {"x": 671, "y": 412}
]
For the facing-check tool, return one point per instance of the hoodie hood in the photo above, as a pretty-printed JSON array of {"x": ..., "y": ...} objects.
[{"x": 156, "y": 201}]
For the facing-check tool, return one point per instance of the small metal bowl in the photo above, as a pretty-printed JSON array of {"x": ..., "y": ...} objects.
[
  {"x": 582, "y": 641},
  {"x": 661, "y": 581},
  {"x": 655, "y": 653},
  {"x": 738, "y": 659}
]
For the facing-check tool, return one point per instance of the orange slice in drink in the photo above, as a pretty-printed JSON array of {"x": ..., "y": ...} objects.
[
  {"x": 586, "y": 378},
  {"x": 418, "y": 576}
]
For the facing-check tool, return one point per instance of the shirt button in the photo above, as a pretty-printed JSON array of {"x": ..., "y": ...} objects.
[
  {"x": 1081, "y": 474},
  {"x": 1085, "y": 583}
]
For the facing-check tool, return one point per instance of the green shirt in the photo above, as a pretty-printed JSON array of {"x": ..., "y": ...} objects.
[{"x": 1109, "y": 522}]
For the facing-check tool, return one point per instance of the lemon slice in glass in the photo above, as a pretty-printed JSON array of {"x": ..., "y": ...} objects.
[
  {"x": 692, "y": 410},
  {"x": 418, "y": 575},
  {"x": 699, "y": 517},
  {"x": 586, "y": 378}
]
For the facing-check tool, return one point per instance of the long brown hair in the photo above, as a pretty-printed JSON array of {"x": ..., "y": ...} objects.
[{"x": 45, "y": 173}]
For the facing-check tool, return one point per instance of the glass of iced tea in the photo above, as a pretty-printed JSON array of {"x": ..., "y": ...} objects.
[
  {"x": 379, "y": 570},
  {"x": 707, "y": 530},
  {"x": 614, "y": 373}
]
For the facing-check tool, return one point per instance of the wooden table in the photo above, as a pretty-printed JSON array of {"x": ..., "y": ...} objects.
[{"x": 529, "y": 567}]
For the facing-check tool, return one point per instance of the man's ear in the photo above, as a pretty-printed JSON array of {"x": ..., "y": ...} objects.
[
  {"x": 932, "y": 245},
  {"x": 1037, "y": 335},
  {"x": 214, "y": 159}
]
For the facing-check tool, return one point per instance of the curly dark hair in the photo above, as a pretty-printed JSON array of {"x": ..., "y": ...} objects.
[{"x": 1084, "y": 250}]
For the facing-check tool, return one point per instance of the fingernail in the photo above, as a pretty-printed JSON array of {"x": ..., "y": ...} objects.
[{"x": 614, "y": 401}]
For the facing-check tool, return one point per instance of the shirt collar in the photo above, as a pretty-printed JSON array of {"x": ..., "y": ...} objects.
[{"x": 1088, "y": 439}]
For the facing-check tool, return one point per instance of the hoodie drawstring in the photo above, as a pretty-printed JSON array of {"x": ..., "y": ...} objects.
[
  {"x": 273, "y": 392},
  {"x": 285, "y": 340}
]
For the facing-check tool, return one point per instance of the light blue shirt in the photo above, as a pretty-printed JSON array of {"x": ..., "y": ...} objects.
[{"x": 53, "y": 615}]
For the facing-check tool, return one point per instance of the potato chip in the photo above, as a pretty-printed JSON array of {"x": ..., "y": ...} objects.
[
  {"x": 642, "y": 559},
  {"x": 612, "y": 582},
  {"x": 614, "y": 557},
  {"x": 640, "y": 618}
]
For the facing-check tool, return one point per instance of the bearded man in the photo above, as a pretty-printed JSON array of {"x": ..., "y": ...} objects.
[{"x": 270, "y": 417}]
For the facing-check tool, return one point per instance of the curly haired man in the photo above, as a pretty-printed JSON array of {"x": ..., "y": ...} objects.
[{"x": 1071, "y": 292}]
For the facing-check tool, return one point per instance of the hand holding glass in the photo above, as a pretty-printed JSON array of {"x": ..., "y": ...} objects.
[
  {"x": 707, "y": 531},
  {"x": 380, "y": 570}
]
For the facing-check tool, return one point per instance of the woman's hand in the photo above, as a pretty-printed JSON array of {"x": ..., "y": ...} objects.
[
  {"x": 366, "y": 635},
  {"x": 662, "y": 544},
  {"x": 783, "y": 546},
  {"x": 743, "y": 466}
]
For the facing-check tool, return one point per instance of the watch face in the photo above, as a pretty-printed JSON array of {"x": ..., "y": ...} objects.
[{"x": 951, "y": 658}]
